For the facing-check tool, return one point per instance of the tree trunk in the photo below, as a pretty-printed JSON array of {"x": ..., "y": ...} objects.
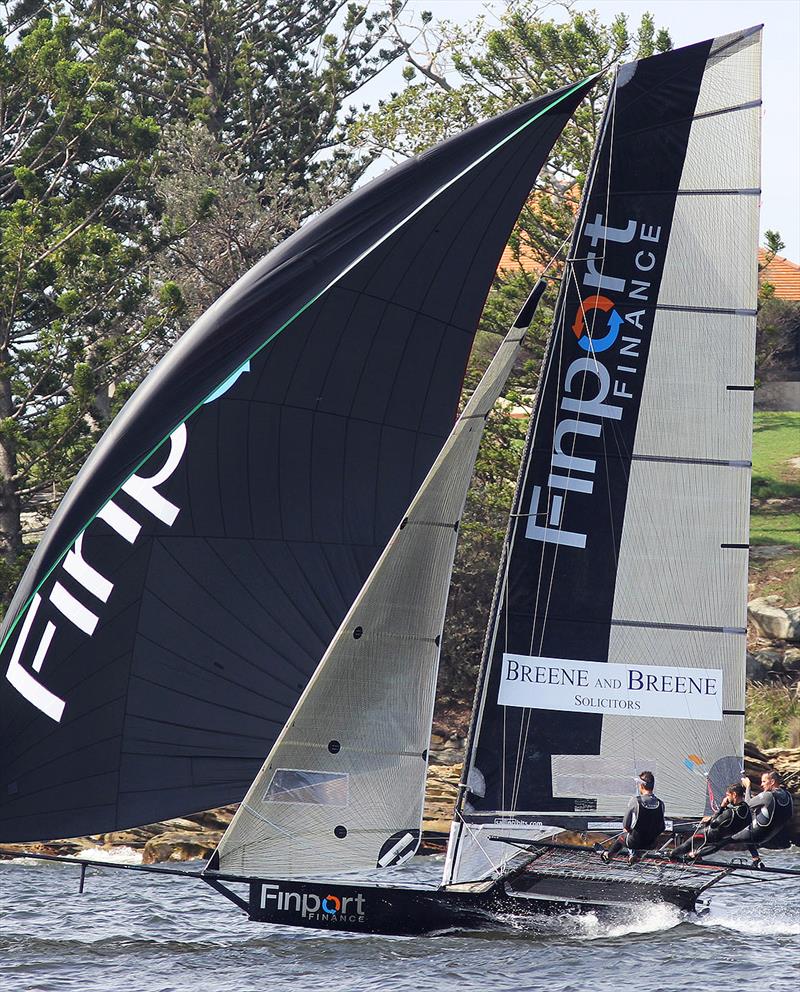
[{"x": 10, "y": 524}]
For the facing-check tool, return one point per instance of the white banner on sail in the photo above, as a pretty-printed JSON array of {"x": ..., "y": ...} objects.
[{"x": 605, "y": 687}]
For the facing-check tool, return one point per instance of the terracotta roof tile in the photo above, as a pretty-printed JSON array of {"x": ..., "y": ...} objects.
[{"x": 782, "y": 274}]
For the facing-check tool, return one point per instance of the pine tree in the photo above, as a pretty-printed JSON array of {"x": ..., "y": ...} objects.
[{"x": 74, "y": 160}]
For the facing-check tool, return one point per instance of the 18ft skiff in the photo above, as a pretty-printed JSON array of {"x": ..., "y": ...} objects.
[{"x": 256, "y": 558}]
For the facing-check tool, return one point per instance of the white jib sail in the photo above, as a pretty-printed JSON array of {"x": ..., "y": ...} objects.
[{"x": 343, "y": 787}]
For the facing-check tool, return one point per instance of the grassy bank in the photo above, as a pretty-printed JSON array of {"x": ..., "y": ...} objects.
[
  {"x": 773, "y": 715},
  {"x": 775, "y": 513}
]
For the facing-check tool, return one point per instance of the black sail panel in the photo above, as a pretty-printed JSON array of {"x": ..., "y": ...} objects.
[
  {"x": 637, "y": 447},
  {"x": 206, "y": 553}
]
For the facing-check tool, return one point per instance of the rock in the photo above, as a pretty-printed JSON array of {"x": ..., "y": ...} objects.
[
  {"x": 752, "y": 751},
  {"x": 772, "y": 620},
  {"x": 179, "y": 824},
  {"x": 135, "y": 838},
  {"x": 793, "y": 612},
  {"x": 180, "y": 846},
  {"x": 214, "y": 819},
  {"x": 766, "y": 552},
  {"x": 441, "y": 789},
  {"x": 770, "y": 660},
  {"x": 755, "y": 669},
  {"x": 447, "y": 756},
  {"x": 791, "y": 659}
]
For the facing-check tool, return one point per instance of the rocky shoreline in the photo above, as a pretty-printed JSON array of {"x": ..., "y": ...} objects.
[{"x": 195, "y": 837}]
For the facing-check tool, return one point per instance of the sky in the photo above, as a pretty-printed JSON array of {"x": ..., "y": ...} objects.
[{"x": 689, "y": 21}]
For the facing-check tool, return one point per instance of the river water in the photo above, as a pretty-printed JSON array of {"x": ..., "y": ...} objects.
[{"x": 132, "y": 932}]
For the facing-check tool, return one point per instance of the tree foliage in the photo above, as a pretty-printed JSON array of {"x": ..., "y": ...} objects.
[
  {"x": 778, "y": 322},
  {"x": 74, "y": 158},
  {"x": 251, "y": 98}
]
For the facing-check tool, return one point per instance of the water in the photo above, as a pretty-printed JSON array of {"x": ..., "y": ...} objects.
[{"x": 142, "y": 933}]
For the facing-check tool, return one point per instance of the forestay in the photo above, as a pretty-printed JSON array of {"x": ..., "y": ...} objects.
[
  {"x": 343, "y": 787},
  {"x": 617, "y": 640}
]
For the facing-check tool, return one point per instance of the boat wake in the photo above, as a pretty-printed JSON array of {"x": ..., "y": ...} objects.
[
  {"x": 649, "y": 918},
  {"x": 753, "y": 920}
]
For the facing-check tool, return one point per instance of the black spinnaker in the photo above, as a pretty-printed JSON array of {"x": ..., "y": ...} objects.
[{"x": 200, "y": 563}]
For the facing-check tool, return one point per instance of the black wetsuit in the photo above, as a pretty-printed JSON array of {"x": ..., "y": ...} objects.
[
  {"x": 732, "y": 818},
  {"x": 643, "y": 822},
  {"x": 770, "y": 810}
]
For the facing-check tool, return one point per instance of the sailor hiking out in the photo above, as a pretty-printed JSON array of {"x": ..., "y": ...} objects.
[
  {"x": 644, "y": 821},
  {"x": 769, "y": 811},
  {"x": 733, "y": 815}
]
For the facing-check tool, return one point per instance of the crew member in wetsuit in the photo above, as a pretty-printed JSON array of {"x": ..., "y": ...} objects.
[
  {"x": 644, "y": 821},
  {"x": 770, "y": 811},
  {"x": 732, "y": 816}
]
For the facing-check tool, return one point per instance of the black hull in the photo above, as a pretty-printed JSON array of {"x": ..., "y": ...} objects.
[{"x": 409, "y": 912}]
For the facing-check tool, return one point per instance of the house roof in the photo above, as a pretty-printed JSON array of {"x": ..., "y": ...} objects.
[{"x": 782, "y": 274}]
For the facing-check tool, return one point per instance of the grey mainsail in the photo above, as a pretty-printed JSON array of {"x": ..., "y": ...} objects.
[
  {"x": 617, "y": 636},
  {"x": 343, "y": 787}
]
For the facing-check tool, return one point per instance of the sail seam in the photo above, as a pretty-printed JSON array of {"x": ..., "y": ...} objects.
[
  {"x": 432, "y": 523},
  {"x": 386, "y": 633},
  {"x": 661, "y": 125},
  {"x": 685, "y": 308},
  {"x": 725, "y": 311}
]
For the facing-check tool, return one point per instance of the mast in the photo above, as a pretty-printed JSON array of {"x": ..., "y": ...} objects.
[{"x": 617, "y": 638}]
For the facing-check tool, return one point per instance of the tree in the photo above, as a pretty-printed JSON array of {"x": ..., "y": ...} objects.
[
  {"x": 458, "y": 75},
  {"x": 251, "y": 96},
  {"x": 74, "y": 158},
  {"x": 778, "y": 321}
]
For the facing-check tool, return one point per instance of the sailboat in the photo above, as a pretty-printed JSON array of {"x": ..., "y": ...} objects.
[{"x": 256, "y": 557}]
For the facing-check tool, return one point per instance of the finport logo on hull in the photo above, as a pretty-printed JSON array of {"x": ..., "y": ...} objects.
[{"x": 330, "y": 908}]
